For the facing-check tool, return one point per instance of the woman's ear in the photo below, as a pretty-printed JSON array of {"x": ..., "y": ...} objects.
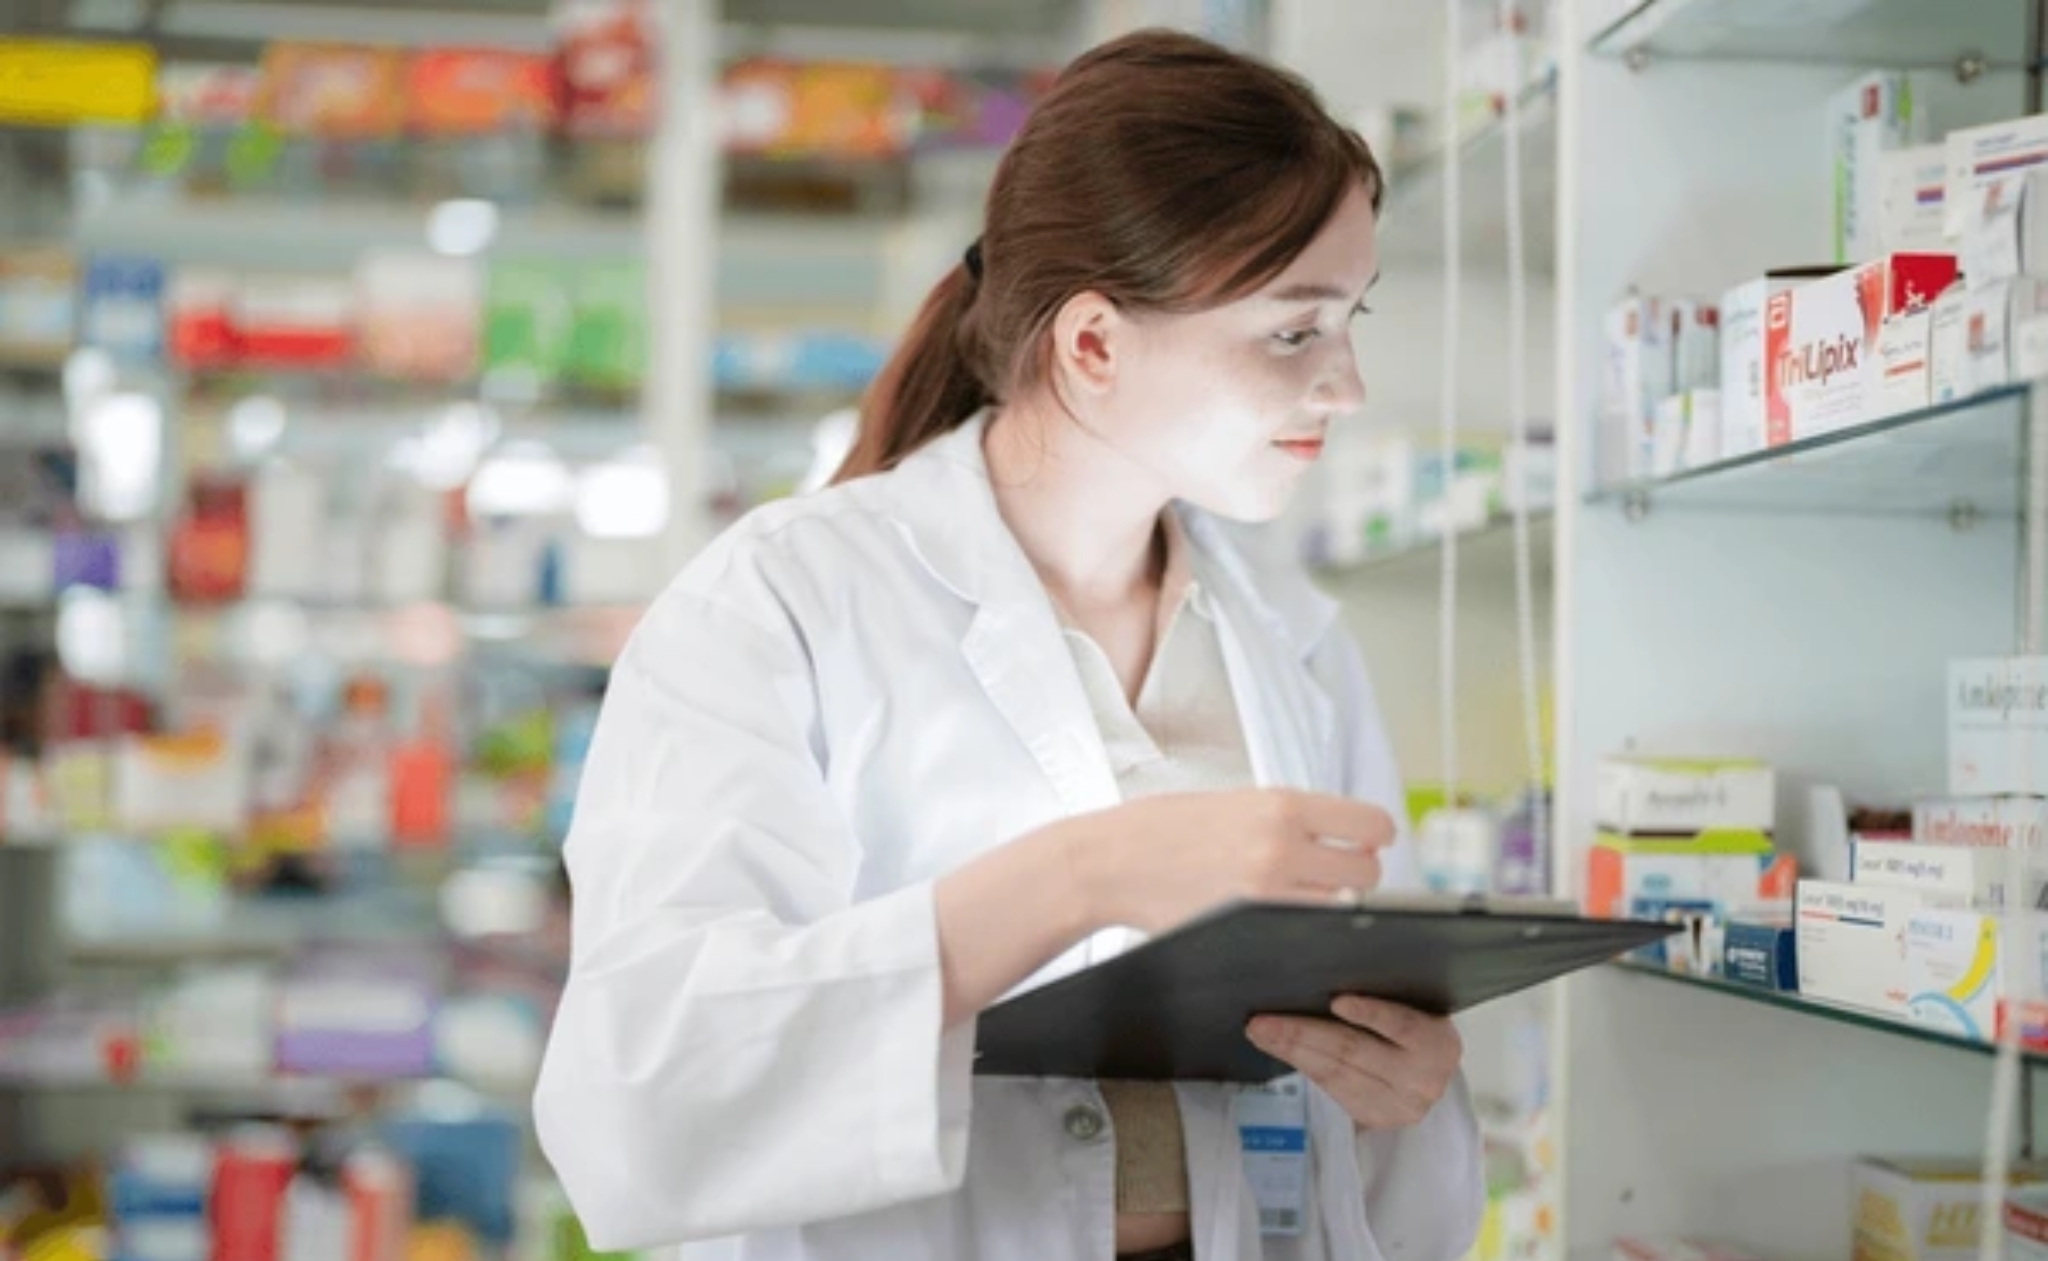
[{"x": 1088, "y": 336}]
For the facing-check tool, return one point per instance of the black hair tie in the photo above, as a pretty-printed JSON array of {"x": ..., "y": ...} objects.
[{"x": 972, "y": 260}]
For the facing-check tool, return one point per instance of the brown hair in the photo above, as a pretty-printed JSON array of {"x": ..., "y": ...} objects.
[{"x": 1161, "y": 171}]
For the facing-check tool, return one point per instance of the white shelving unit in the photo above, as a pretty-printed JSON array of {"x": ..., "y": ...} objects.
[{"x": 1799, "y": 605}]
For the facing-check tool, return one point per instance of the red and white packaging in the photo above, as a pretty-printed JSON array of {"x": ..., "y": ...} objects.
[
  {"x": 2026, "y": 1224},
  {"x": 295, "y": 321},
  {"x": 1821, "y": 343},
  {"x": 379, "y": 1188},
  {"x": 252, "y": 1171},
  {"x": 1983, "y": 822}
]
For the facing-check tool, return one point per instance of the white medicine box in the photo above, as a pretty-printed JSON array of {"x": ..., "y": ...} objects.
[
  {"x": 1641, "y": 796},
  {"x": 1998, "y": 726}
]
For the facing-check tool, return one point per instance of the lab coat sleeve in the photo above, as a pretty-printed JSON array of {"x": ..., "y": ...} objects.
[
  {"x": 1425, "y": 1190},
  {"x": 739, "y": 1046}
]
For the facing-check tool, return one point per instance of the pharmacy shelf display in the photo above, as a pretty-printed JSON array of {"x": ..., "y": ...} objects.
[{"x": 1771, "y": 571}]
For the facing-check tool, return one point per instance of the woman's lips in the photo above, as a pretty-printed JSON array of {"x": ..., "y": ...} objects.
[{"x": 1300, "y": 448}]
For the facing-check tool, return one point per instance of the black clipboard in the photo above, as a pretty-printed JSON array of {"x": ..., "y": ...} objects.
[{"x": 1175, "y": 1008}]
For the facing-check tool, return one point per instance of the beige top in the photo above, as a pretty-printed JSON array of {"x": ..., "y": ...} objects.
[{"x": 1183, "y": 735}]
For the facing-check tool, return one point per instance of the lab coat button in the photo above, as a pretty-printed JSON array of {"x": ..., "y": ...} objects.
[{"x": 1084, "y": 1124}]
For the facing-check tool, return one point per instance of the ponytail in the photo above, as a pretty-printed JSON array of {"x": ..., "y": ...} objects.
[{"x": 929, "y": 386}]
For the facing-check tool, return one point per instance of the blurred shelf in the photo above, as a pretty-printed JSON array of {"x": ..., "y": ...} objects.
[
  {"x": 1412, "y": 221},
  {"x": 1964, "y": 455},
  {"x": 256, "y": 232},
  {"x": 1818, "y": 1009},
  {"x": 1491, "y": 542},
  {"x": 1903, "y": 34}
]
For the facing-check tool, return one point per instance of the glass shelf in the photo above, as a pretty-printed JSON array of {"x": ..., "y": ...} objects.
[
  {"x": 1820, "y": 1009},
  {"x": 1906, "y": 34},
  {"x": 1968, "y": 453},
  {"x": 1497, "y": 530},
  {"x": 1412, "y": 222}
]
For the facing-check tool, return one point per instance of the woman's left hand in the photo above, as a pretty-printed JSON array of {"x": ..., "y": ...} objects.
[{"x": 1385, "y": 1063}]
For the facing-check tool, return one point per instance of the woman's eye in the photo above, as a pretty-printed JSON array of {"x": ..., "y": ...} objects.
[{"x": 1296, "y": 338}]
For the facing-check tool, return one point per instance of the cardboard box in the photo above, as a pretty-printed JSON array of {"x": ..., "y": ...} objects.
[
  {"x": 2026, "y": 1224},
  {"x": 1742, "y": 356},
  {"x": 1981, "y": 157},
  {"x": 1920, "y": 1210},
  {"x": 1852, "y": 943},
  {"x": 1707, "y": 871},
  {"x": 1639, "y": 373},
  {"x": 1952, "y": 972},
  {"x": 1869, "y": 118},
  {"x": 1763, "y": 955},
  {"x": 1695, "y": 344},
  {"x": 1998, "y": 726},
  {"x": 1821, "y": 343},
  {"x": 2003, "y": 326},
  {"x": 1681, "y": 796},
  {"x": 1976, "y": 877},
  {"x": 1948, "y": 347},
  {"x": 1998, "y": 822},
  {"x": 1914, "y": 185},
  {"x": 1905, "y": 362},
  {"x": 2005, "y": 233}
]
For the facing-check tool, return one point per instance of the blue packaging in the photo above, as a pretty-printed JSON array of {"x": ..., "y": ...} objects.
[{"x": 1763, "y": 955}]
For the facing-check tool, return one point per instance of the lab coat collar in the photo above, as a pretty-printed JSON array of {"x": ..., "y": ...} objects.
[{"x": 948, "y": 513}]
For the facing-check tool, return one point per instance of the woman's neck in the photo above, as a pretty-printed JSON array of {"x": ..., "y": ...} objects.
[{"x": 1085, "y": 515}]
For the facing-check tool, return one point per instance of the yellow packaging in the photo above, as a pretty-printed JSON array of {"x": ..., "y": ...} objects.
[{"x": 1921, "y": 1210}]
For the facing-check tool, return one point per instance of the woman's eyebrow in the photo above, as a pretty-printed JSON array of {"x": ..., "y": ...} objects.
[{"x": 1316, "y": 291}]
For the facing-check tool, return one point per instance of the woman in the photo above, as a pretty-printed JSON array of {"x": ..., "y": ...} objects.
[{"x": 888, "y": 752}]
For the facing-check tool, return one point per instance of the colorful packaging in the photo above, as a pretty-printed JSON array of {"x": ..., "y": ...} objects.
[
  {"x": 38, "y": 305},
  {"x": 1716, "y": 872},
  {"x": 1999, "y": 822},
  {"x": 334, "y": 91},
  {"x": 479, "y": 91},
  {"x": 606, "y": 62},
  {"x": 817, "y": 109},
  {"x": 1911, "y": 203},
  {"x": 1920, "y": 1210},
  {"x": 1980, "y": 158},
  {"x": 289, "y": 320},
  {"x": 1998, "y": 727},
  {"x": 527, "y": 318},
  {"x": 1871, "y": 117},
  {"x": 608, "y": 339},
  {"x": 1821, "y": 343},
  {"x": 208, "y": 560},
  {"x": 418, "y": 314},
  {"x": 1683, "y": 796},
  {"x": 252, "y": 1170},
  {"x": 1742, "y": 357},
  {"x": 201, "y": 318},
  {"x": 356, "y": 1014},
  {"x": 2026, "y": 1224},
  {"x": 124, "y": 307},
  {"x": 157, "y": 1195},
  {"x": 166, "y": 783}
]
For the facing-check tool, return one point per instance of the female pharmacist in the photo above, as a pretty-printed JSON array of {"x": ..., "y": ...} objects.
[{"x": 1012, "y": 687}]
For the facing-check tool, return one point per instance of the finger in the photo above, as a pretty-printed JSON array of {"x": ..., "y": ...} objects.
[
  {"x": 1394, "y": 1067},
  {"x": 1321, "y": 872},
  {"x": 1402, "y": 1026},
  {"x": 1344, "y": 821},
  {"x": 1370, "y": 1100}
]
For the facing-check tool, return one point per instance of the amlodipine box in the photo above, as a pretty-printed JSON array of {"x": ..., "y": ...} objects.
[
  {"x": 1852, "y": 942},
  {"x": 2019, "y": 823},
  {"x": 1821, "y": 343},
  {"x": 1998, "y": 726}
]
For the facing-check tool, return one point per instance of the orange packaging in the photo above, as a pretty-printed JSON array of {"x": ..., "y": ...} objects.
[
  {"x": 605, "y": 63},
  {"x": 834, "y": 110},
  {"x": 334, "y": 91},
  {"x": 475, "y": 91}
]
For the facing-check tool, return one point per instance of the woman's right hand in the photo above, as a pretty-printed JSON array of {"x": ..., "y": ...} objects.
[{"x": 1157, "y": 862}]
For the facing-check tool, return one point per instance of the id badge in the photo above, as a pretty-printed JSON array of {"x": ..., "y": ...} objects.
[{"x": 1272, "y": 1126}]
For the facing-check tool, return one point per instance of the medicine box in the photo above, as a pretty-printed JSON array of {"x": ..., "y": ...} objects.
[
  {"x": 2005, "y": 234},
  {"x": 1911, "y": 199},
  {"x": 1975, "y": 877},
  {"x": 1763, "y": 955},
  {"x": 1998, "y": 726},
  {"x": 2002, "y": 332},
  {"x": 1622, "y": 871},
  {"x": 1821, "y": 353},
  {"x": 2001, "y": 822},
  {"x": 1742, "y": 356},
  {"x": 2026, "y": 1224},
  {"x": 1852, "y": 942},
  {"x": 1696, "y": 345},
  {"x": 1920, "y": 1210},
  {"x": 1981, "y": 157},
  {"x": 1639, "y": 373},
  {"x": 1952, "y": 972},
  {"x": 1948, "y": 348},
  {"x": 1677, "y": 1250},
  {"x": 1871, "y": 117},
  {"x": 1682, "y": 796},
  {"x": 1905, "y": 362}
]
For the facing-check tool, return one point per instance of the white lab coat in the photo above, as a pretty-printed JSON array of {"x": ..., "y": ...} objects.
[{"x": 844, "y": 697}]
